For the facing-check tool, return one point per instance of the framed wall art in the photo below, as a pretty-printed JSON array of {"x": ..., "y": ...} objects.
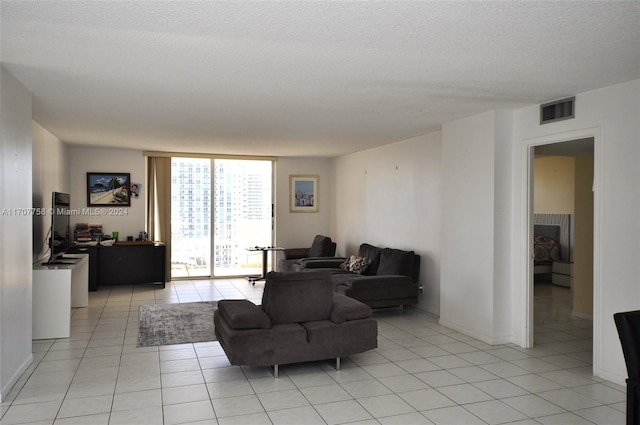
[
  {"x": 136, "y": 190},
  {"x": 303, "y": 193},
  {"x": 108, "y": 189}
]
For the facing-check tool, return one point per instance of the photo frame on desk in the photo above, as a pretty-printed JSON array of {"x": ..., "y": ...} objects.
[
  {"x": 303, "y": 193},
  {"x": 108, "y": 189}
]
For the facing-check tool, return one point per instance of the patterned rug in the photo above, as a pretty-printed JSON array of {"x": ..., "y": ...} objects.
[{"x": 169, "y": 324}]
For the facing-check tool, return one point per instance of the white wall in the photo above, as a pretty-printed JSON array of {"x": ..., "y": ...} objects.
[
  {"x": 612, "y": 116},
  {"x": 476, "y": 226},
  {"x": 98, "y": 160},
  {"x": 502, "y": 226},
  {"x": 468, "y": 212},
  {"x": 15, "y": 231},
  {"x": 50, "y": 174},
  {"x": 296, "y": 230},
  {"x": 390, "y": 197}
]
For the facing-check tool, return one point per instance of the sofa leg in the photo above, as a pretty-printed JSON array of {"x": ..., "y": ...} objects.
[
  {"x": 337, "y": 363},
  {"x": 275, "y": 371}
]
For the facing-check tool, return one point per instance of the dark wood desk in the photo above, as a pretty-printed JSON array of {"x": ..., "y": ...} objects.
[{"x": 123, "y": 264}]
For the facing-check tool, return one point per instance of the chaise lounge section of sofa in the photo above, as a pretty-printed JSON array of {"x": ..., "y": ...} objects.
[
  {"x": 322, "y": 246},
  {"x": 301, "y": 319},
  {"x": 390, "y": 279}
]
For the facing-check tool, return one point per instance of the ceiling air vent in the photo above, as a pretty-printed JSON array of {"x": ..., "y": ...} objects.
[{"x": 558, "y": 110}]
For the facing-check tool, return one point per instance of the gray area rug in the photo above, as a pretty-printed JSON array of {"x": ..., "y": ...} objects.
[{"x": 169, "y": 324}]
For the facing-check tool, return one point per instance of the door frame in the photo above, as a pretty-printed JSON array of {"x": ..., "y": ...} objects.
[{"x": 526, "y": 231}]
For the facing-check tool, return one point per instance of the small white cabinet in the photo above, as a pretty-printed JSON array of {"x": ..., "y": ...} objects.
[
  {"x": 562, "y": 274},
  {"x": 56, "y": 289}
]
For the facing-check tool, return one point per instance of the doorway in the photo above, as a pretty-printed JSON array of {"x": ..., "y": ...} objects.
[{"x": 560, "y": 295}]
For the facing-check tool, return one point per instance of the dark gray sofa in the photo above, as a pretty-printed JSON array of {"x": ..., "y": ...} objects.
[
  {"x": 322, "y": 246},
  {"x": 391, "y": 278},
  {"x": 301, "y": 319}
]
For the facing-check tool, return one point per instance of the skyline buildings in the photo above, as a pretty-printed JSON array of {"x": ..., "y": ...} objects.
[{"x": 234, "y": 197}]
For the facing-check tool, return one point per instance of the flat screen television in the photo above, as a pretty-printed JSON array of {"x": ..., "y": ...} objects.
[{"x": 60, "y": 239}]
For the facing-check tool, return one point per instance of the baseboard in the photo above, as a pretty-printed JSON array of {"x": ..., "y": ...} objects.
[
  {"x": 16, "y": 376},
  {"x": 611, "y": 377},
  {"x": 481, "y": 337}
]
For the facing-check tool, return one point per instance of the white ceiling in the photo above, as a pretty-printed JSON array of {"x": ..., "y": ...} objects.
[{"x": 302, "y": 78}]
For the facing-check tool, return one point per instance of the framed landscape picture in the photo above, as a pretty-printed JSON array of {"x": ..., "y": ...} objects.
[
  {"x": 108, "y": 189},
  {"x": 303, "y": 193}
]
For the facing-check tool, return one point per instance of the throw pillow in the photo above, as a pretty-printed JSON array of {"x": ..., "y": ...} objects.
[
  {"x": 345, "y": 264},
  {"x": 355, "y": 264}
]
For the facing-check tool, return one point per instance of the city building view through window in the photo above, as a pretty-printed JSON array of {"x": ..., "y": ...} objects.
[{"x": 219, "y": 208}]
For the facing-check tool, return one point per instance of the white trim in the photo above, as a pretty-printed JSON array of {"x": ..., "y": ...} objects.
[
  {"x": 526, "y": 302},
  {"x": 527, "y": 309},
  {"x": 481, "y": 337},
  {"x": 209, "y": 155},
  {"x": 597, "y": 255},
  {"x": 4, "y": 392}
]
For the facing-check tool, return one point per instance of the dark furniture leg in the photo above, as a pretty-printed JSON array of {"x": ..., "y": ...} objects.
[
  {"x": 253, "y": 280},
  {"x": 633, "y": 399}
]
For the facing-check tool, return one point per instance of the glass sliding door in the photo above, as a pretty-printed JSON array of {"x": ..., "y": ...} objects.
[
  {"x": 242, "y": 215},
  {"x": 191, "y": 215},
  {"x": 219, "y": 207}
]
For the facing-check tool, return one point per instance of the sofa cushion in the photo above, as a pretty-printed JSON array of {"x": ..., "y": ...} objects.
[
  {"x": 322, "y": 262},
  {"x": 373, "y": 253},
  {"x": 355, "y": 264},
  {"x": 321, "y": 247},
  {"x": 298, "y": 297},
  {"x": 243, "y": 314},
  {"x": 344, "y": 277},
  {"x": 396, "y": 261}
]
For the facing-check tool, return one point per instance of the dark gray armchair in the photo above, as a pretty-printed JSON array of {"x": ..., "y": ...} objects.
[{"x": 301, "y": 319}]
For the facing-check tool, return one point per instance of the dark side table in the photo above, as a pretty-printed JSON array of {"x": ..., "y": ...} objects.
[{"x": 265, "y": 251}]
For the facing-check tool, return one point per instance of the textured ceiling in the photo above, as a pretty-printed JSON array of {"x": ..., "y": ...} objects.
[{"x": 302, "y": 78}]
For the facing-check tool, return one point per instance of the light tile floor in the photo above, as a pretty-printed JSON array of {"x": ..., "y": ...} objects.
[{"x": 422, "y": 373}]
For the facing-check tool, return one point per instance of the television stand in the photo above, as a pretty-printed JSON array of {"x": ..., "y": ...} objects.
[
  {"x": 57, "y": 288},
  {"x": 61, "y": 261}
]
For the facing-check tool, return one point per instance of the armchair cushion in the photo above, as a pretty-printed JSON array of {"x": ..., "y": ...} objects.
[
  {"x": 243, "y": 314},
  {"x": 297, "y": 297},
  {"x": 345, "y": 308}
]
